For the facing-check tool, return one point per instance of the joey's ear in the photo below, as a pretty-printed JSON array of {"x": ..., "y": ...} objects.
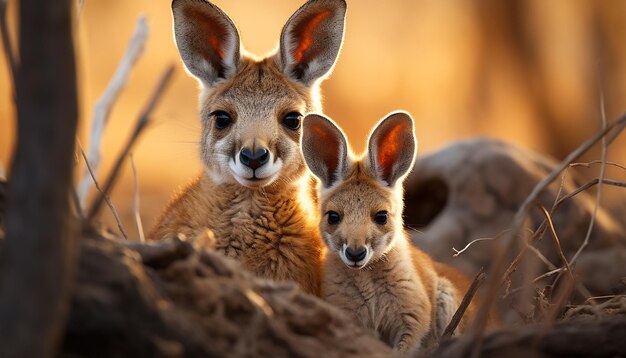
[
  {"x": 207, "y": 40},
  {"x": 324, "y": 149},
  {"x": 311, "y": 39},
  {"x": 391, "y": 148}
]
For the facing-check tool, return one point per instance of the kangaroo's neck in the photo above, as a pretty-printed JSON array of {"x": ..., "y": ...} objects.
[
  {"x": 397, "y": 256},
  {"x": 257, "y": 198}
]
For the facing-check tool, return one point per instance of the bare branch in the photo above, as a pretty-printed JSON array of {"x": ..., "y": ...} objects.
[
  {"x": 7, "y": 45},
  {"x": 458, "y": 252},
  {"x": 103, "y": 106},
  {"x": 142, "y": 123},
  {"x": 106, "y": 197},
  {"x": 541, "y": 257},
  {"x": 544, "y": 225},
  {"x": 555, "y": 238},
  {"x": 467, "y": 299},
  {"x": 498, "y": 269},
  {"x": 589, "y": 164},
  {"x": 563, "y": 294},
  {"x": 599, "y": 188},
  {"x": 138, "y": 223}
]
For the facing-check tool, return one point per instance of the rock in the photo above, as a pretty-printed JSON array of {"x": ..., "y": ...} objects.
[{"x": 473, "y": 188}]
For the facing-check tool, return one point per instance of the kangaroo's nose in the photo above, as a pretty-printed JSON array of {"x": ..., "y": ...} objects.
[
  {"x": 254, "y": 160},
  {"x": 356, "y": 255}
]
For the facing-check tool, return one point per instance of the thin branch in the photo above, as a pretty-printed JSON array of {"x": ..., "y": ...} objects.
[
  {"x": 79, "y": 210},
  {"x": 80, "y": 6},
  {"x": 467, "y": 300},
  {"x": 7, "y": 44},
  {"x": 541, "y": 257},
  {"x": 589, "y": 164},
  {"x": 552, "y": 272},
  {"x": 599, "y": 188},
  {"x": 103, "y": 106},
  {"x": 544, "y": 225},
  {"x": 106, "y": 197},
  {"x": 138, "y": 223},
  {"x": 555, "y": 238},
  {"x": 565, "y": 291},
  {"x": 567, "y": 268},
  {"x": 458, "y": 252},
  {"x": 548, "y": 274},
  {"x": 605, "y": 297},
  {"x": 498, "y": 269},
  {"x": 142, "y": 123}
]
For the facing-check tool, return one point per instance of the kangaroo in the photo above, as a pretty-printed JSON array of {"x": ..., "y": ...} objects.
[
  {"x": 252, "y": 196},
  {"x": 371, "y": 270}
]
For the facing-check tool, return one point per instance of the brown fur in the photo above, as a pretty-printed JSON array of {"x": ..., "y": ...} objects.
[
  {"x": 267, "y": 231},
  {"x": 397, "y": 291},
  {"x": 257, "y": 216}
]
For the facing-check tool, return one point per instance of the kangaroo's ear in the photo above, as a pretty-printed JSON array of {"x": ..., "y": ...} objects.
[
  {"x": 311, "y": 39},
  {"x": 391, "y": 148},
  {"x": 207, "y": 40},
  {"x": 324, "y": 149}
]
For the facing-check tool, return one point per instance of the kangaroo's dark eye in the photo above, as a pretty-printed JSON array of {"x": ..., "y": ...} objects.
[
  {"x": 222, "y": 119},
  {"x": 380, "y": 218},
  {"x": 333, "y": 218},
  {"x": 292, "y": 120}
]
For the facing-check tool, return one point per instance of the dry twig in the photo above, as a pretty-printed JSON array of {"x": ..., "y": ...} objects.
[
  {"x": 458, "y": 252},
  {"x": 103, "y": 106},
  {"x": 142, "y": 123},
  {"x": 544, "y": 225},
  {"x": 467, "y": 300},
  {"x": 589, "y": 164},
  {"x": 498, "y": 269},
  {"x": 599, "y": 188},
  {"x": 138, "y": 223},
  {"x": 555, "y": 238},
  {"x": 6, "y": 44},
  {"x": 106, "y": 197}
]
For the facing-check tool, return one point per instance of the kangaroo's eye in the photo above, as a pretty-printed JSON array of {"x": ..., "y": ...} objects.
[
  {"x": 222, "y": 119},
  {"x": 380, "y": 218},
  {"x": 292, "y": 120},
  {"x": 333, "y": 218}
]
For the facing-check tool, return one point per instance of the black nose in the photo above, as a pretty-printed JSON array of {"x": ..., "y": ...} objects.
[
  {"x": 356, "y": 255},
  {"x": 254, "y": 160}
]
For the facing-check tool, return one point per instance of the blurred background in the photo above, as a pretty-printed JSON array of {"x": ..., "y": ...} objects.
[{"x": 527, "y": 71}]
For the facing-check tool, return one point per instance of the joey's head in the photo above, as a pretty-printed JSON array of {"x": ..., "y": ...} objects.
[
  {"x": 251, "y": 109},
  {"x": 360, "y": 199}
]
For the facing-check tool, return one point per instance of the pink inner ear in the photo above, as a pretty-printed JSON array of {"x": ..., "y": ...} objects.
[
  {"x": 328, "y": 148},
  {"x": 389, "y": 146},
  {"x": 212, "y": 28},
  {"x": 304, "y": 34}
]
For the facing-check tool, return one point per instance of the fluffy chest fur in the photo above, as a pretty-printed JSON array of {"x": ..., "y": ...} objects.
[
  {"x": 266, "y": 230},
  {"x": 390, "y": 297}
]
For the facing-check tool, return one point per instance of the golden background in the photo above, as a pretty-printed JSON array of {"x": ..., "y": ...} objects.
[{"x": 529, "y": 72}]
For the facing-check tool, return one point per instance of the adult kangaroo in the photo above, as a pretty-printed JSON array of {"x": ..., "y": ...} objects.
[{"x": 252, "y": 197}]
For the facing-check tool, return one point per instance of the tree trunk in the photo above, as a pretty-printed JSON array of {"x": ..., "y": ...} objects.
[{"x": 40, "y": 250}]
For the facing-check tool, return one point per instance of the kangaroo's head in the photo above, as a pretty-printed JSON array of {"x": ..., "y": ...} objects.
[
  {"x": 360, "y": 199},
  {"x": 251, "y": 108}
]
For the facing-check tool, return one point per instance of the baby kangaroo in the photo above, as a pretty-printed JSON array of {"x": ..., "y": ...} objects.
[
  {"x": 249, "y": 195},
  {"x": 370, "y": 269}
]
